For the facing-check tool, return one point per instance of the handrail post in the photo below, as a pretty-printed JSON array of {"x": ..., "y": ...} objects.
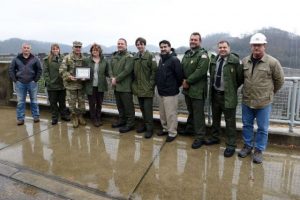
[{"x": 293, "y": 106}]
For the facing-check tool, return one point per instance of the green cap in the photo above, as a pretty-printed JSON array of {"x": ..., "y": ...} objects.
[{"x": 77, "y": 44}]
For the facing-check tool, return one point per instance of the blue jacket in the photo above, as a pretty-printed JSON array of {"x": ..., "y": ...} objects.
[{"x": 25, "y": 70}]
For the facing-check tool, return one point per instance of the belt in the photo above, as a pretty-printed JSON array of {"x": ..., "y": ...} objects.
[{"x": 219, "y": 92}]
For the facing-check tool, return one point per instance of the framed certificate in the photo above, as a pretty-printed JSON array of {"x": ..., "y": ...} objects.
[{"x": 83, "y": 73}]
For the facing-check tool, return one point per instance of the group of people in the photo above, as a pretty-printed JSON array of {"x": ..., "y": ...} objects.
[{"x": 261, "y": 75}]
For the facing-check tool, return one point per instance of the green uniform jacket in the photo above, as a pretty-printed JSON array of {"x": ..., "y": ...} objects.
[
  {"x": 122, "y": 67},
  {"x": 262, "y": 82},
  {"x": 144, "y": 69},
  {"x": 103, "y": 72},
  {"x": 195, "y": 66},
  {"x": 68, "y": 67},
  {"x": 232, "y": 76},
  {"x": 53, "y": 80}
]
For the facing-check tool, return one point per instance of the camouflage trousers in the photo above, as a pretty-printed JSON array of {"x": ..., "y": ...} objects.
[{"x": 76, "y": 100}]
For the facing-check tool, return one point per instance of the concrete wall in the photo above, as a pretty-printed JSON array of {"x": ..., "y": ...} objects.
[{"x": 6, "y": 88}]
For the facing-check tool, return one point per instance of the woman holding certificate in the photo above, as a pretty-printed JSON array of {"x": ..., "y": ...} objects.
[{"x": 97, "y": 84}]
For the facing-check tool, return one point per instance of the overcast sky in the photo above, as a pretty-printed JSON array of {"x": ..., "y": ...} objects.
[{"x": 104, "y": 21}]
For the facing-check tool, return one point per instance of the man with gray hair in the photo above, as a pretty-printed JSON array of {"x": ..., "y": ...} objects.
[
  {"x": 263, "y": 77},
  {"x": 25, "y": 70}
]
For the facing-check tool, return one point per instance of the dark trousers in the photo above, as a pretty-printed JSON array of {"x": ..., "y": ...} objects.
[
  {"x": 146, "y": 106},
  {"x": 196, "y": 118},
  {"x": 229, "y": 113},
  {"x": 95, "y": 104},
  {"x": 57, "y": 99},
  {"x": 125, "y": 107}
]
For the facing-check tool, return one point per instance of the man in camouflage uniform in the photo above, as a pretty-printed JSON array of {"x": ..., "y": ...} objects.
[
  {"x": 74, "y": 86},
  {"x": 195, "y": 65},
  {"x": 144, "y": 68},
  {"x": 122, "y": 67}
]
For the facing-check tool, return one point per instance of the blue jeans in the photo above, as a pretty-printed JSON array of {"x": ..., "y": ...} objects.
[
  {"x": 21, "y": 90},
  {"x": 262, "y": 116}
]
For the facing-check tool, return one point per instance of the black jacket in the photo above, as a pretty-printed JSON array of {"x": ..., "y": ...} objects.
[
  {"x": 169, "y": 75},
  {"x": 25, "y": 70}
]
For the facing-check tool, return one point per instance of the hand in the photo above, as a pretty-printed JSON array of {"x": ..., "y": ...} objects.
[
  {"x": 185, "y": 85},
  {"x": 113, "y": 81},
  {"x": 72, "y": 78}
]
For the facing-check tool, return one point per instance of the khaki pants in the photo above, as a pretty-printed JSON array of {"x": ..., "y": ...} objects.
[{"x": 168, "y": 113}]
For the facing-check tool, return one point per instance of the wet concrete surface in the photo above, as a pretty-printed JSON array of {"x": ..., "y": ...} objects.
[
  {"x": 10, "y": 189},
  {"x": 89, "y": 162}
]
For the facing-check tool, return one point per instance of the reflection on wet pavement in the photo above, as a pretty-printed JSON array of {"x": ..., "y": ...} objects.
[
  {"x": 206, "y": 174},
  {"x": 127, "y": 165}
]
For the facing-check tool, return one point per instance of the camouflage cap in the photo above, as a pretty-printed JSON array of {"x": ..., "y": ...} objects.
[{"x": 77, "y": 44}]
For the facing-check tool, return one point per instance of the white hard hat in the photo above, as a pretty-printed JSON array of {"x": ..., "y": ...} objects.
[{"x": 258, "y": 38}]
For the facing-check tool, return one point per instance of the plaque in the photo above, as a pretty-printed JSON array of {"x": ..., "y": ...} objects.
[{"x": 83, "y": 73}]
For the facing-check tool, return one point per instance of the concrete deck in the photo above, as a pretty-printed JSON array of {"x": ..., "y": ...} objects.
[{"x": 41, "y": 161}]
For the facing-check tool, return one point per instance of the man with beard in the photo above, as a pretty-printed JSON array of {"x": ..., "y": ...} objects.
[{"x": 168, "y": 80}]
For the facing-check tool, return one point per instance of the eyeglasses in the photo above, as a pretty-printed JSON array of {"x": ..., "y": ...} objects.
[{"x": 77, "y": 47}]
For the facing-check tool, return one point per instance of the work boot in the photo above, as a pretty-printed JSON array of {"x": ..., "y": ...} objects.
[
  {"x": 20, "y": 122},
  {"x": 257, "y": 156},
  {"x": 74, "y": 120},
  {"x": 81, "y": 120},
  {"x": 245, "y": 151}
]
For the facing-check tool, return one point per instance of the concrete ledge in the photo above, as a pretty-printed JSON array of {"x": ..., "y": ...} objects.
[
  {"x": 56, "y": 187},
  {"x": 6, "y": 170},
  {"x": 60, "y": 188}
]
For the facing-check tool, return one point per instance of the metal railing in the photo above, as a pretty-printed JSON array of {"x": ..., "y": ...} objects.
[{"x": 285, "y": 108}]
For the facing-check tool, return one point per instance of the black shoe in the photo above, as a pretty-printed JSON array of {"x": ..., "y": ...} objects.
[
  {"x": 20, "y": 122},
  {"x": 162, "y": 133},
  {"x": 170, "y": 139},
  {"x": 117, "y": 124},
  {"x": 125, "y": 129},
  {"x": 148, "y": 134},
  {"x": 228, "y": 152},
  {"x": 186, "y": 132},
  {"x": 96, "y": 123},
  {"x": 66, "y": 118},
  {"x": 141, "y": 129},
  {"x": 212, "y": 141},
  {"x": 197, "y": 143},
  {"x": 54, "y": 121}
]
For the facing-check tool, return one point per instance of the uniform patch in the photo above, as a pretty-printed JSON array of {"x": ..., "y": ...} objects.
[
  {"x": 153, "y": 59},
  {"x": 241, "y": 62},
  {"x": 204, "y": 56},
  {"x": 192, "y": 61}
]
